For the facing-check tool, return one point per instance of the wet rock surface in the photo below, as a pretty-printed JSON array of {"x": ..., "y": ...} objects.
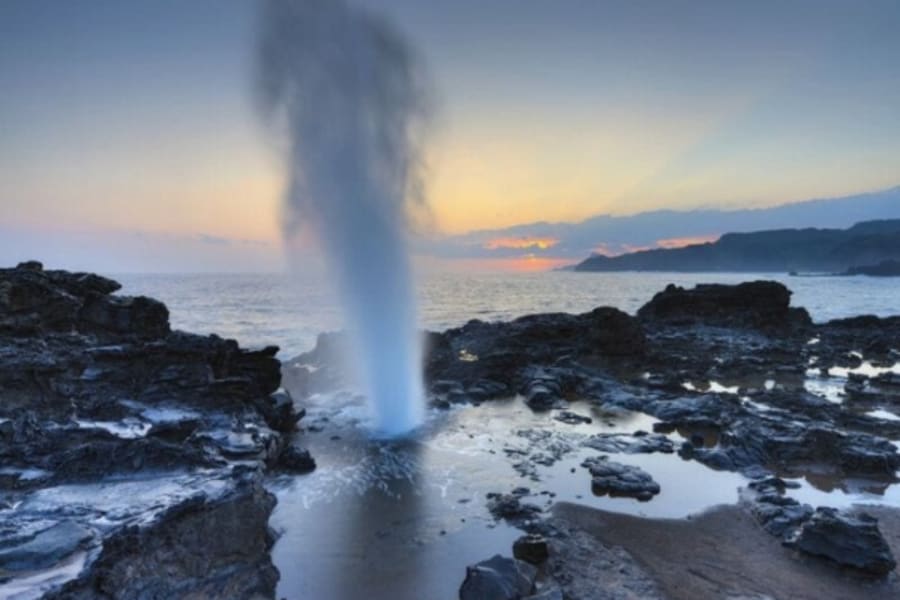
[
  {"x": 206, "y": 547},
  {"x": 510, "y": 507},
  {"x": 117, "y": 433},
  {"x": 132, "y": 455},
  {"x": 747, "y": 383},
  {"x": 498, "y": 578},
  {"x": 616, "y": 479},
  {"x": 531, "y": 548},
  {"x": 849, "y": 540}
]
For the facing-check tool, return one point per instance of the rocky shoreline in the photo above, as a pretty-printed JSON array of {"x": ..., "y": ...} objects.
[
  {"x": 134, "y": 458},
  {"x": 727, "y": 367},
  {"x": 132, "y": 455}
]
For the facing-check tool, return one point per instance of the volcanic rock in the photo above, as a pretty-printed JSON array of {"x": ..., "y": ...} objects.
[
  {"x": 532, "y": 548},
  {"x": 849, "y": 540},
  {"x": 756, "y": 304},
  {"x": 296, "y": 460},
  {"x": 617, "y": 479},
  {"x": 498, "y": 578},
  {"x": 510, "y": 507}
]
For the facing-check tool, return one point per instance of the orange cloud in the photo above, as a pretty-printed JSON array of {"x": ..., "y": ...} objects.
[
  {"x": 522, "y": 243},
  {"x": 686, "y": 241},
  {"x": 605, "y": 249},
  {"x": 618, "y": 249}
]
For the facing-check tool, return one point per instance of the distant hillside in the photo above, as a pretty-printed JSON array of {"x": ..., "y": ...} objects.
[
  {"x": 782, "y": 250},
  {"x": 615, "y": 234}
]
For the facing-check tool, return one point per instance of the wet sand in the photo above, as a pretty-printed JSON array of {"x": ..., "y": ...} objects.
[{"x": 723, "y": 553}]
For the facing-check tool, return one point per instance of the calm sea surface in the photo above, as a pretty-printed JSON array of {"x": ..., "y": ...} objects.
[{"x": 261, "y": 309}]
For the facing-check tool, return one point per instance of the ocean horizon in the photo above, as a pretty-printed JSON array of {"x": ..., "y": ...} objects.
[{"x": 259, "y": 309}]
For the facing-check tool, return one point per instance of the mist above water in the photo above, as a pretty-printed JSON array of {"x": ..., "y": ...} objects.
[{"x": 348, "y": 90}]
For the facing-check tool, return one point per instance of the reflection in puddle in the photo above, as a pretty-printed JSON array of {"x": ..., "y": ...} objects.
[{"x": 396, "y": 518}]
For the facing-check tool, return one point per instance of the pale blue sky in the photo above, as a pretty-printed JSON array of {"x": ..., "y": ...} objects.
[{"x": 122, "y": 117}]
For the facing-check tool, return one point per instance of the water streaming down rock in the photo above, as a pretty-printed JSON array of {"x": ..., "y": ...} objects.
[{"x": 350, "y": 93}]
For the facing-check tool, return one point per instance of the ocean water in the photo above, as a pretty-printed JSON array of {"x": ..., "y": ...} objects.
[
  {"x": 263, "y": 309},
  {"x": 401, "y": 519}
]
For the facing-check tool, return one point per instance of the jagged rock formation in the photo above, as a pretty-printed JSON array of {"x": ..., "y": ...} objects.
[{"x": 120, "y": 441}]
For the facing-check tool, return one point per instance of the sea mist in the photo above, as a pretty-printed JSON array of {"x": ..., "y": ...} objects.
[{"x": 348, "y": 90}]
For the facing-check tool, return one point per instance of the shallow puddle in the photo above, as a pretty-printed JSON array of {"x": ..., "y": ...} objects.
[{"x": 396, "y": 519}]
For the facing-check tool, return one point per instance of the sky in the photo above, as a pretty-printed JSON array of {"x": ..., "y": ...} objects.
[{"x": 129, "y": 136}]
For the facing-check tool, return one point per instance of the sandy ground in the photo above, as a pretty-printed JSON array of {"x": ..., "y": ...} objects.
[{"x": 724, "y": 553}]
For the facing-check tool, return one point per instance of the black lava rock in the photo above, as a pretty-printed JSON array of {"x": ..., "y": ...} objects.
[
  {"x": 531, "y": 548},
  {"x": 296, "y": 460},
  {"x": 498, "y": 578},
  {"x": 616, "y": 479},
  {"x": 849, "y": 540}
]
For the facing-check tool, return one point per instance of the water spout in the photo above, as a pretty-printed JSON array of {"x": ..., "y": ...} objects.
[{"x": 349, "y": 92}]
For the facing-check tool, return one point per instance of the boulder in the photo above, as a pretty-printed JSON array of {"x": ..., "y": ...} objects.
[
  {"x": 636, "y": 443},
  {"x": 139, "y": 316},
  {"x": 617, "y": 480},
  {"x": 532, "y": 548},
  {"x": 511, "y": 507},
  {"x": 780, "y": 515},
  {"x": 498, "y": 578},
  {"x": 294, "y": 459},
  {"x": 755, "y": 304},
  {"x": 849, "y": 540}
]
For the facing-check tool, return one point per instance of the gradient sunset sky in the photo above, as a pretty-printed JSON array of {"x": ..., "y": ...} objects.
[{"x": 124, "y": 119}]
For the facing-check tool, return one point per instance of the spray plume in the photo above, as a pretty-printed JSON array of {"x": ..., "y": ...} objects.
[{"x": 349, "y": 91}]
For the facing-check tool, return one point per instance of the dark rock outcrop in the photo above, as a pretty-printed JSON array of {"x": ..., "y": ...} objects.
[
  {"x": 637, "y": 443},
  {"x": 511, "y": 508},
  {"x": 618, "y": 480},
  {"x": 849, "y": 540},
  {"x": 781, "y": 515},
  {"x": 527, "y": 354},
  {"x": 498, "y": 578},
  {"x": 200, "y": 548},
  {"x": 97, "y": 390},
  {"x": 756, "y": 304},
  {"x": 294, "y": 459},
  {"x": 532, "y": 548}
]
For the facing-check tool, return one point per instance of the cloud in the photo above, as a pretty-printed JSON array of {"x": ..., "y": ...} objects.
[
  {"x": 521, "y": 243},
  {"x": 681, "y": 242},
  {"x": 613, "y": 235}
]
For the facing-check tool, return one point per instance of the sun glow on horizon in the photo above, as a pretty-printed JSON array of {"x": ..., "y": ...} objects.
[{"x": 522, "y": 243}]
